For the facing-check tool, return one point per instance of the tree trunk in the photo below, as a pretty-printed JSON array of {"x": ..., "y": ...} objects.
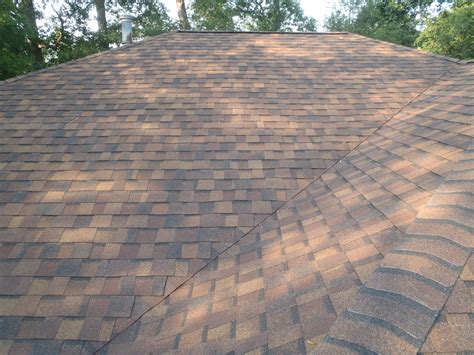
[
  {"x": 183, "y": 16},
  {"x": 101, "y": 21},
  {"x": 28, "y": 9},
  {"x": 277, "y": 16}
]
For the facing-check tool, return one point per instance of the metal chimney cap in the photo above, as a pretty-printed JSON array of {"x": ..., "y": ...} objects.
[{"x": 126, "y": 17}]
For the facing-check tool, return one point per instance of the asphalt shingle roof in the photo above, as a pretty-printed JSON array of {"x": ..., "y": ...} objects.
[{"x": 203, "y": 192}]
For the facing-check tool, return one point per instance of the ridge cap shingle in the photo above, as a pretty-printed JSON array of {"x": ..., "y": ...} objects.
[{"x": 267, "y": 32}]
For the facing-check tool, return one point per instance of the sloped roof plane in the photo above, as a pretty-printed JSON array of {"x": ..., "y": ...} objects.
[{"x": 219, "y": 192}]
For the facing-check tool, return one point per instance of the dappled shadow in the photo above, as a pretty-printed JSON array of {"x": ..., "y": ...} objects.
[
  {"x": 126, "y": 173},
  {"x": 315, "y": 252}
]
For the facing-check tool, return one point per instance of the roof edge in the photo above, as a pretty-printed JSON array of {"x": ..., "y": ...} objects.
[
  {"x": 78, "y": 60},
  {"x": 419, "y": 51}
]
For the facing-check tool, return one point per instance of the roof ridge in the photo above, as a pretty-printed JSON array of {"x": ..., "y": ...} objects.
[
  {"x": 126, "y": 46},
  {"x": 267, "y": 32}
]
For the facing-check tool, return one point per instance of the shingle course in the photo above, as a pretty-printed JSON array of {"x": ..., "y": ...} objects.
[{"x": 126, "y": 173}]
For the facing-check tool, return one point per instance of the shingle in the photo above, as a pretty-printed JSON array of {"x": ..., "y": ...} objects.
[{"x": 113, "y": 197}]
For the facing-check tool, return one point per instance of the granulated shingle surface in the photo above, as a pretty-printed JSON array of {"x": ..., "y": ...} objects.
[{"x": 203, "y": 192}]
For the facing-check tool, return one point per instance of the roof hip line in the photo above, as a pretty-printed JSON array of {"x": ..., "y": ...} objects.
[{"x": 434, "y": 81}]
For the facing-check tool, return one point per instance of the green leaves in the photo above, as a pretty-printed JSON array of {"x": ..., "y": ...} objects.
[
  {"x": 251, "y": 15},
  {"x": 451, "y": 33},
  {"x": 215, "y": 15},
  {"x": 15, "y": 52},
  {"x": 67, "y": 32},
  {"x": 150, "y": 17},
  {"x": 387, "y": 20}
]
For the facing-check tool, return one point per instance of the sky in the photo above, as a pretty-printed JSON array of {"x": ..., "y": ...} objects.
[{"x": 319, "y": 9}]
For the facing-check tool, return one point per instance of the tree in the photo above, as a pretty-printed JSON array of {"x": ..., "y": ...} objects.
[
  {"x": 101, "y": 21},
  {"x": 101, "y": 18},
  {"x": 451, "y": 33},
  {"x": 388, "y": 20},
  {"x": 183, "y": 16},
  {"x": 71, "y": 20},
  {"x": 274, "y": 15},
  {"x": 214, "y": 15},
  {"x": 28, "y": 9},
  {"x": 67, "y": 35},
  {"x": 251, "y": 15},
  {"x": 15, "y": 48},
  {"x": 150, "y": 17}
]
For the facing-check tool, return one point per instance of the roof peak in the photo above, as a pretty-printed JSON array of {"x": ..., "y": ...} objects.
[{"x": 266, "y": 32}]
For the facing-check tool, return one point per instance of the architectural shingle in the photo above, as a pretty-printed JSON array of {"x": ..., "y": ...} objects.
[{"x": 238, "y": 192}]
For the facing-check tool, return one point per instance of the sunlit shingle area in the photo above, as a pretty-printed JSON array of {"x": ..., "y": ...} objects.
[{"x": 237, "y": 192}]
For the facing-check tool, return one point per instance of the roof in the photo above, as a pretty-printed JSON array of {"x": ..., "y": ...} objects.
[{"x": 217, "y": 192}]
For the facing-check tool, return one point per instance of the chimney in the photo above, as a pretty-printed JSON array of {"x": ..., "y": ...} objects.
[{"x": 126, "y": 21}]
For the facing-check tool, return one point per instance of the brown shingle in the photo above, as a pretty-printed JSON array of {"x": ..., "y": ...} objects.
[{"x": 124, "y": 174}]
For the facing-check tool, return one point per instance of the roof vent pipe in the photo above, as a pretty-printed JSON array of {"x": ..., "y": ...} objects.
[{"x": 126, "y": 21}]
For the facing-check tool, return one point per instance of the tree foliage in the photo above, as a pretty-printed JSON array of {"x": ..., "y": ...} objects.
[
  {"x": 15, "y": 52},
  {"x": 251, "y": 15},
  {"x": 387, "y": 20},
  {"x": 399, "y": 21},
  {"x": 451, "y": 32},
  {"x": 215, "y": 15},
  {"x": 150, "y": 17},
  {"x": 275, "y": 15},
  {"x": 66, "y": 34}
]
